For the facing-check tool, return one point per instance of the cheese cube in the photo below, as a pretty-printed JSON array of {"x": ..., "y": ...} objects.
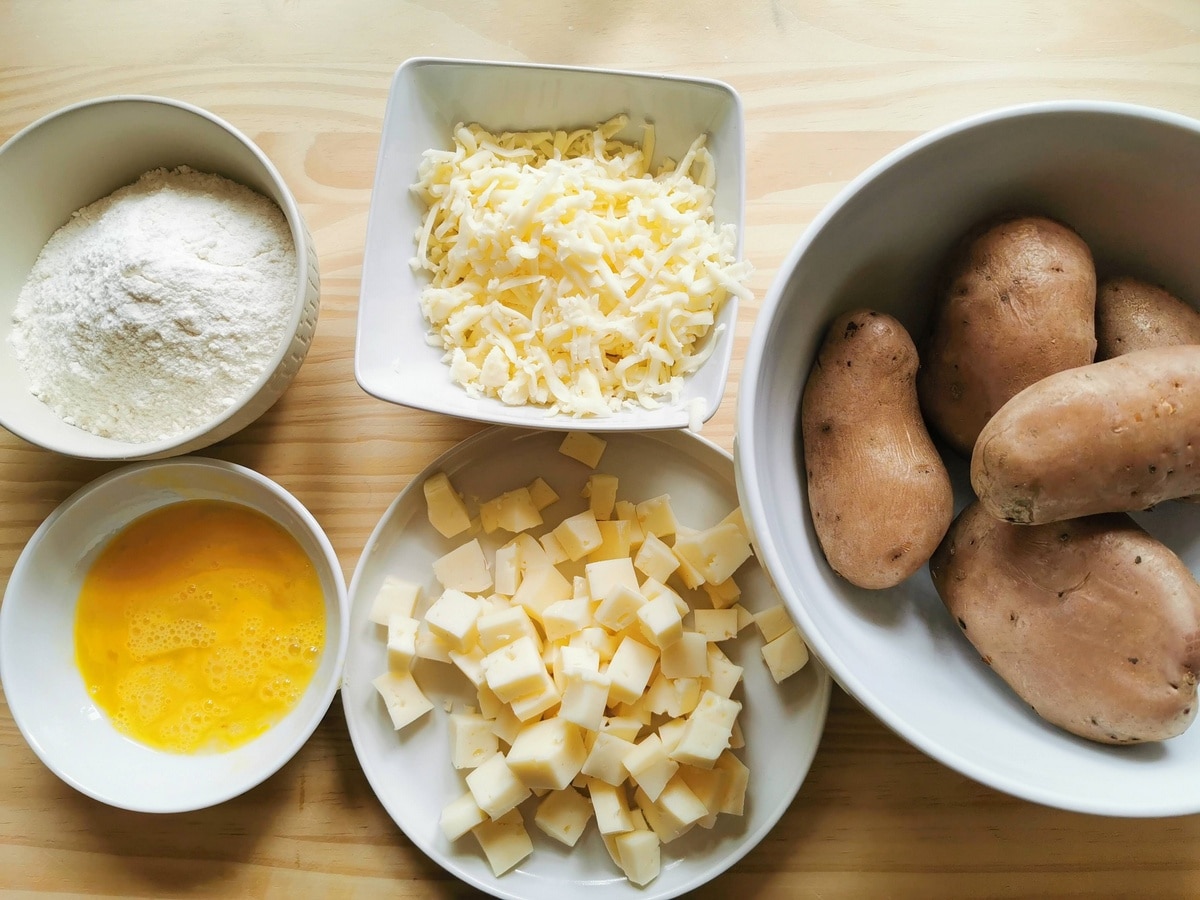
[
  {"x": 579, "y": 534},
  {"x": 464, "y": 569},
  {"x": 773, "y": 621},
  {"x": 515, "y": 670},
  {"x": 660, "y": 621},
  {"x": 603, "y": 577},
  {"x": 584, "y": 698},
  {"x": 504, "y": 841},
  {"x": 566, "y": 617},
  {"x": 540, "y": 587},
  {"x": 786, "y": 655},
  {"x": 579, "y": 586},
  {"x": 538, "y": 701},
  {"x": 653, "y": 588},
  {"x": 585, "y": 447},
  {"x": 707, "y": 732},
  {"x": 444, "y": 506},
  {"x": 530, "y": 553},
  {"x": 687, "y": 573},
  {"x": 470, "y": 664},
  {"x": 497, "y": 629},
  {"x": 395, "y": 597},
  {"x": 547, "y": 754},
  {"x": 683, "y": 696},
  {"x": 686, "y": 657},
  {"x": 662, "y": 823},
  {"x": 472, "y": 740},
  {"x": 716, "y": 624},
  {"x": 430, "y": 645},
  {"x": 507, "y": 569},
  {"x": 401, "y": 642},
  {"x": 598, "y": 639},
  {"x": 630, "y": 668},
  {"x": 623, "y": 727},
  {"x": 541, "y": 493},
  {"x": 494, "y": 786},
  {"x": 723, "y": 675},
  {"x": 736, "y": 740},
  {"x": 723, "y": 594},
  {"x": 656, "y": 516},
  {"x": 625, "y": 511},
  {"x": 745, "y": 617},
  {"x": 512, "y": 511},
  {"x": 614, "y": 541},
  {"x": 452, "y": 618},
  {"x": 716, "y": 553},
  {"x": 580, "y": 660},
  {"x": 604, "y": 760},
  {"x": 460, "y": 816},
  {"x": 657, "y": 696},
  {"x": 640, "y": 856},
  {"x": 649, "y": 765},
  {"x": 608, "y": 803},
  {"x": 670, "y": 732},
  {"x": 737, "y": 777},
  {"x": 679, "y": 802},
  {"x": 403, "y": 698},
  {"x": 564, "y": 815},
  {"x": 601, "y": 493},
  {"x": 498, "y": 714},
  {"x": 619, "y": 608},
  {"x": 555, "y": 553},
  {"x": 655, "y": 559},
  {"x": 709, "y": 787}
]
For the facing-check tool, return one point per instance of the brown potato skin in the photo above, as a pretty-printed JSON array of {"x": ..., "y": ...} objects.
[
  {"x": 1132, "y": 314},
  {"x": 1018, "y": 304},
  {"x": 1092, "y": 622},
  {"x": 1114, "y": 436},
  {"x": 879, "y": 493}
]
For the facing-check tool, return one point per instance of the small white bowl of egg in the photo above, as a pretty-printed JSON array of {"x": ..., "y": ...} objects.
[
  {"x": 172, "y": 634},
  {"x": 554, "y": 247}
]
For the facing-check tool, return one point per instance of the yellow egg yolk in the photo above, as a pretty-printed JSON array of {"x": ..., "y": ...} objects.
[{"x": 199, "y": 626}]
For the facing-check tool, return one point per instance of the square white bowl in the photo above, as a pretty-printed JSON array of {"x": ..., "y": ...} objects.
[{"x": 392, "y": 359}]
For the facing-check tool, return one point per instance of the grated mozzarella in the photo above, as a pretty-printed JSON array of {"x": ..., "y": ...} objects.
[{"x": 564, "y": 273}]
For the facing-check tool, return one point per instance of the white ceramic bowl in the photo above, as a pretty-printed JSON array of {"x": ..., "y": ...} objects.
[
  {"x": 42, "y": 684},
  {"x": 428, "y": 97},
  {"x": 411, "y": 771},
  {"x": 81, "y": 153},
  {"x": 1126, "y": 179}
]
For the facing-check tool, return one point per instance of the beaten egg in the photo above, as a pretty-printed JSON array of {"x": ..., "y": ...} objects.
[{"x": 199, "y": 626}]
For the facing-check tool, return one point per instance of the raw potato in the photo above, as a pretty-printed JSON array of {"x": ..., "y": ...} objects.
[
  {"x": 879, "y": 493},
  {"x": 1115, "y": 436},
  {"x": 1092, "y": 622},
  {"x": 1135, "y": 315},
  {"x": 1018, "y": 304}
]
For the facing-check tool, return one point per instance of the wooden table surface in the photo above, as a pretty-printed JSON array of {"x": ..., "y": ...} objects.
[{"x": 828, "y": 87}]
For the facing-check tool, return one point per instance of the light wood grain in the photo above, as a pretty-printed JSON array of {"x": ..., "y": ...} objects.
[{"x": 829, "y": 87}]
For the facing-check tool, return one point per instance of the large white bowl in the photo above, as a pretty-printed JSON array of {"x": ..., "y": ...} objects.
[
  {"x": 81, "y": 153},
  {"x": 392, "y": 358},
  {"x": 410, "y": 770},
  {"x": 42, "y": 684},
  {"x": 1128, "y": 179}
]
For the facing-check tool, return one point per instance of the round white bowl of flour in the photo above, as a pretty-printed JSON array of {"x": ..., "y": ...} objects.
[{"x": 158, "y": 287}]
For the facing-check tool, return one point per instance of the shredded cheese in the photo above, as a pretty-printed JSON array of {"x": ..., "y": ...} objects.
[{"x": 565, "y": 274}]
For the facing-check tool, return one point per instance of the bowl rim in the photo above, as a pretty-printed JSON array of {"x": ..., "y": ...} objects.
[
  {"x": 745, "y": 447},
  {"x": 483, "y": 410},
  {"x": 252, "y": 777},
  {"x": 126, "y": 450}
]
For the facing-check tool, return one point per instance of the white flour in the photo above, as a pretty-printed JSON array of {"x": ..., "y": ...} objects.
[{"x": 154, "y": 308}]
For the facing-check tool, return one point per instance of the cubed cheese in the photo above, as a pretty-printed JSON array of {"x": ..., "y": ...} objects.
[
  {"x": 640, "y": 856},
  {"x": 472, "y": 740},
  {"x": 564, "y": 815},
  {"x": 605, "y": 759},
  {"x": 396, "y": 597},
  {"x": 566, "y": 617},
  {"x": 655, "y": 559},
  {"x": 512, "y": 511},
  {"x": 579, "y": 534},
  {"x": 608, "y": 803},
  {"x": 723, "y": 675},
  {"x": 737, "y": 777},
  {"x": 541, "y": 493},
  {"x": 547, "y": 754},
  {"x": 507, "y": 574},
  {"x": 649, "y": 765},
  {"x": 585, "y": 447},
  {"x": 504, "y": 841},
  {"x": 715, "y": 624},
  {"x": 470, "y": 664},
  {"x": 401, "y": 642},
  {"x": 515, "y": 669},
  {"x": 402, "y": 697},
  {"x": 460, "y": 816},
  {"x": 619, "y": 608},
  {"x": 538, "y": 701},
  {"x": 614, "y": 541},
  {"x": 786, "y": 655},
  {"x": 686, "y": 657},
  {"x": 464, "y": 568},
  {"x": 584, "y": 698},
  {"x": 723, "y": 594},
  {"x": 444, "y": 506},
  {"x": 707, "y": 732},
  {"x": 452, "y": 618},
  {"x": 601, "y": 493},
  {"x": 494, "y": 786},
  {"x": 716, "y": 553},
  {"x": 773, "y": 621},
  {"x": 496, "y": 629},
  {"x": 660, "y": 621},
  {"x": 630, "y": 668},
  {"x": 555, "y": 553},
  {"x": 656, "y": 516},
  {"x": 540, "y": 587}
]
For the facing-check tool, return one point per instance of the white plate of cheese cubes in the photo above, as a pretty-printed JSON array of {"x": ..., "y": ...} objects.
[{"x": 493, "y": 482}]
